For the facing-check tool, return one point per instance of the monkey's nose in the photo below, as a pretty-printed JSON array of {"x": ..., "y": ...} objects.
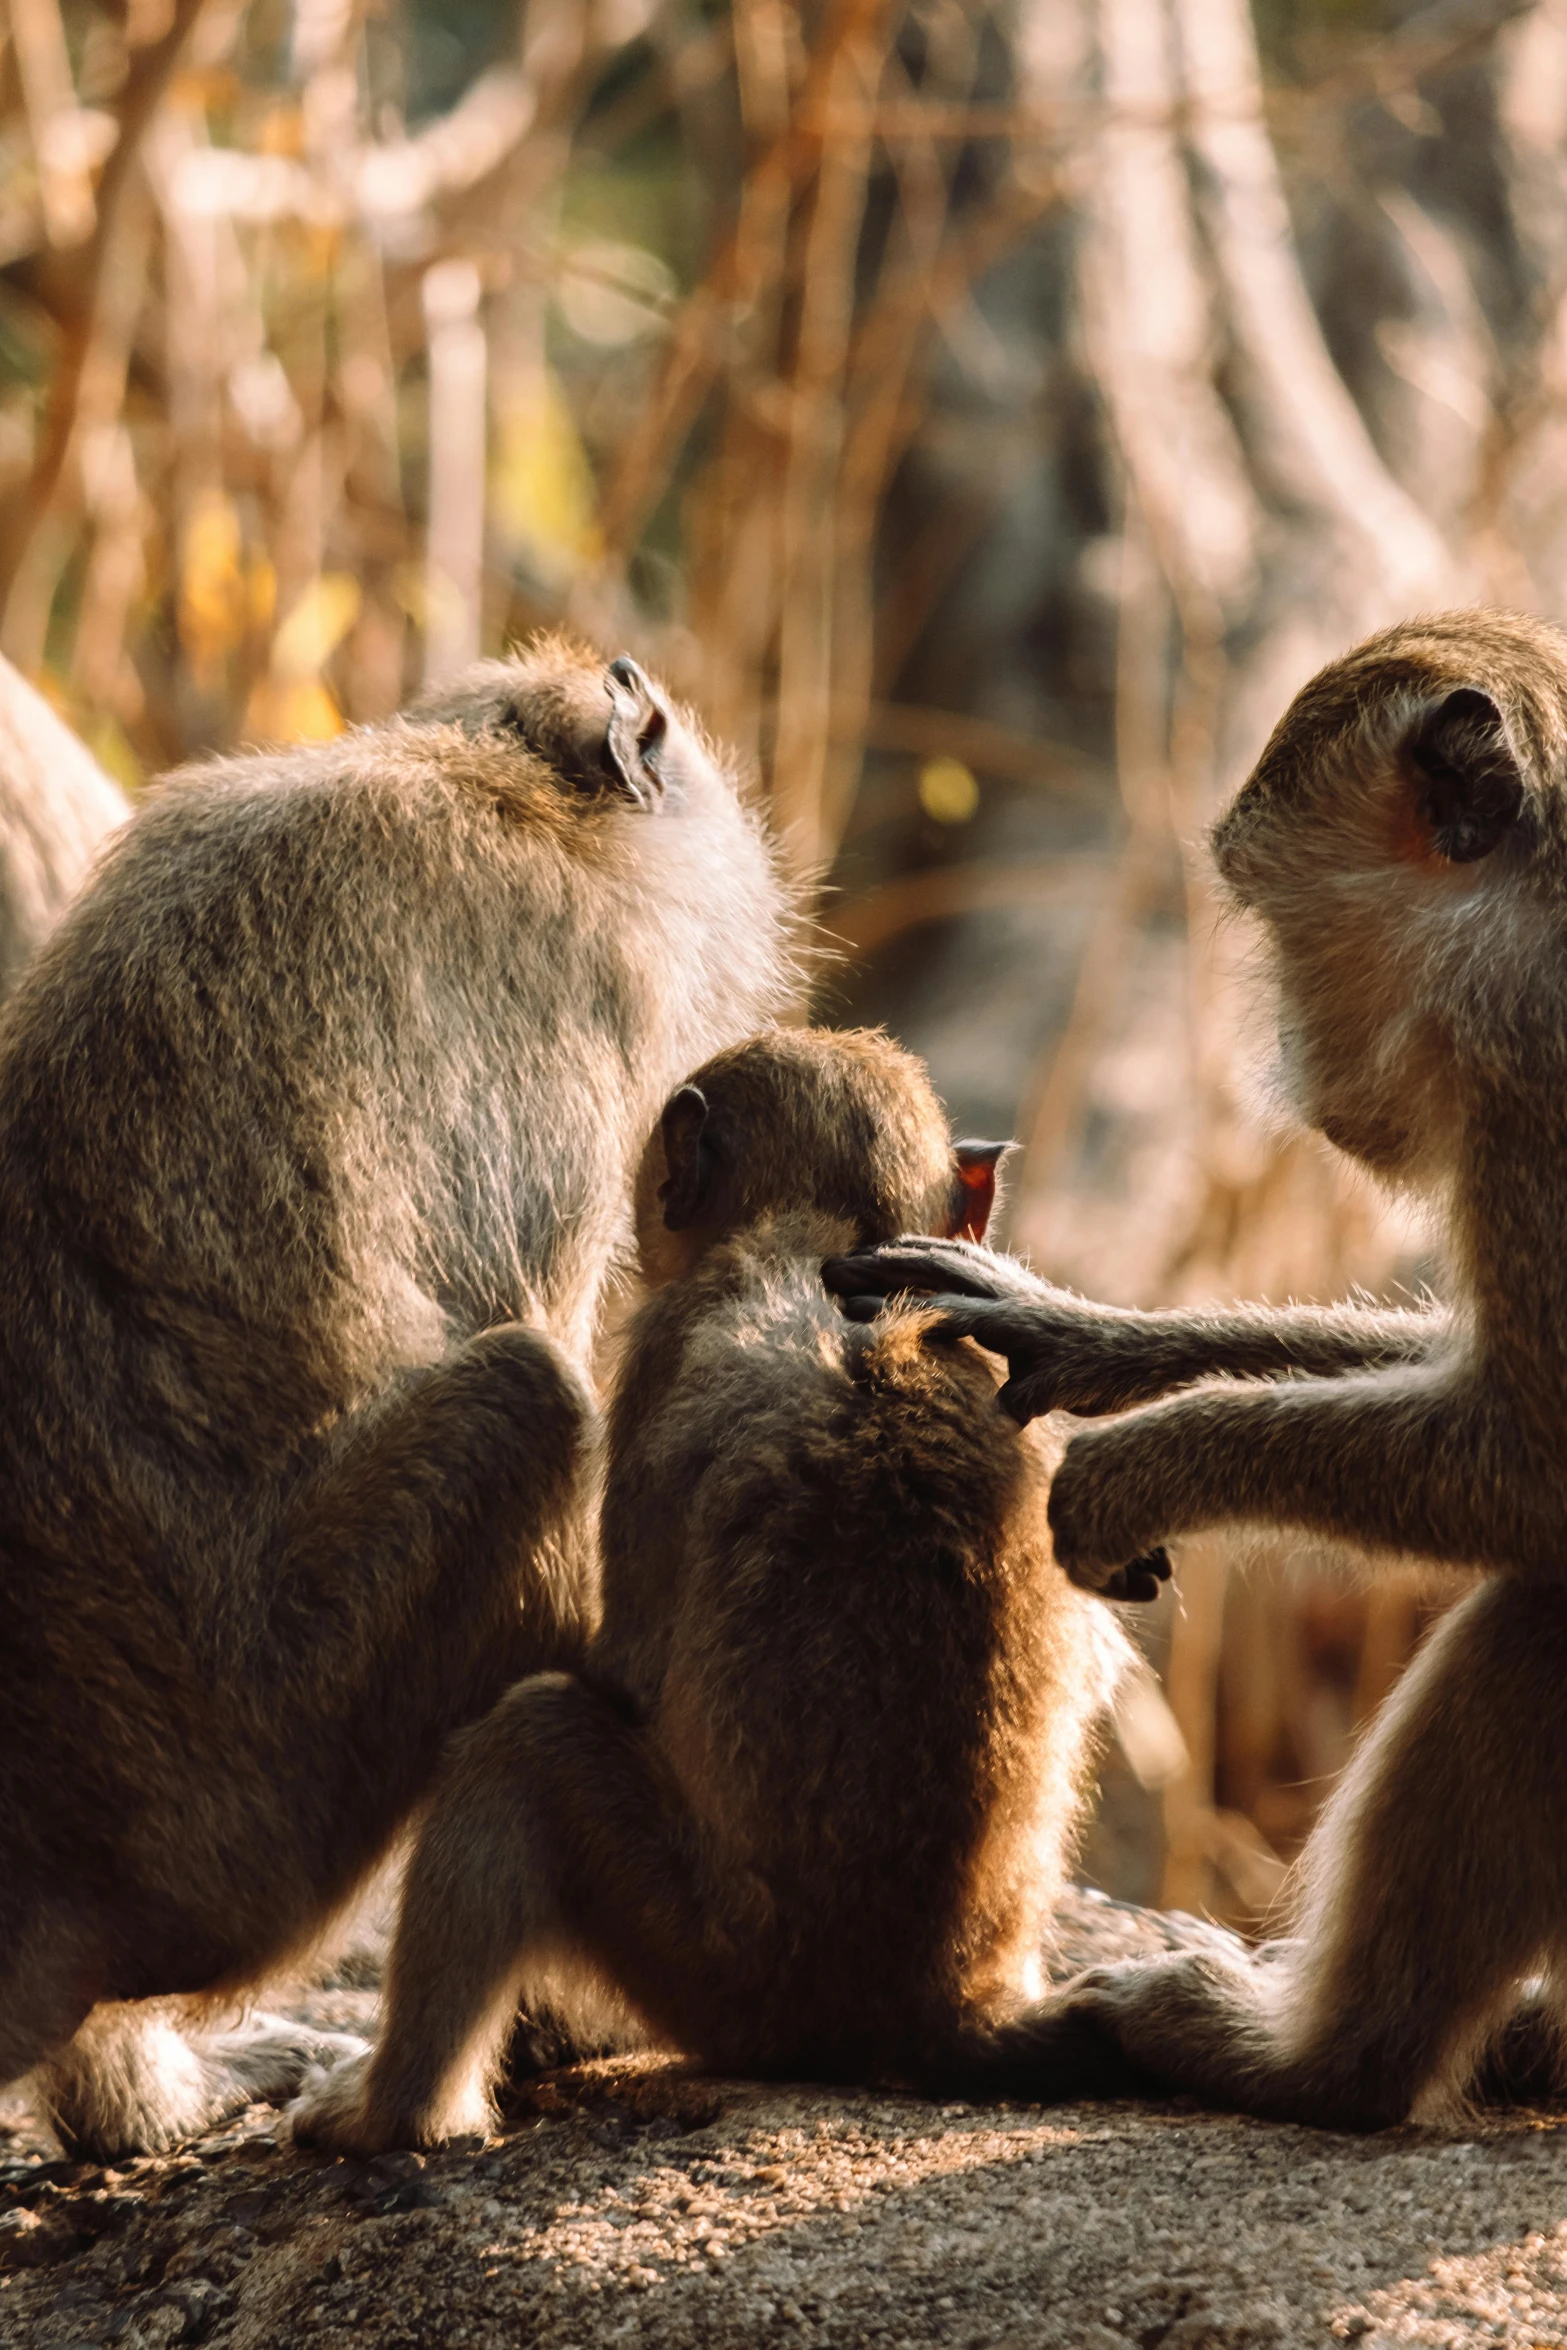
[{"x": 628, "y": 673}]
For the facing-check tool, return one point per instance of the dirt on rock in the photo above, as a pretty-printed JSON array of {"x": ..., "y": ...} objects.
[{"x": 635, "y": 2201}]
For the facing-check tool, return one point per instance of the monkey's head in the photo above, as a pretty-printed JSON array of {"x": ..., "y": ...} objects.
[
  {"x": 1404, "y": 841},
  {"x": 600, "y": 731},
  {"x": 832, "y": 1124}
]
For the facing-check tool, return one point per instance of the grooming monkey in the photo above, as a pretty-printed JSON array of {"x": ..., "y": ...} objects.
[
  {"x": 333, "y": 1079},
  {"x": 807, "y": 1804},
  {"x": 1404, "y": 842}
]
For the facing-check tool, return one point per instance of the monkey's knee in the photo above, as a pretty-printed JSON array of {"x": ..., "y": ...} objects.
[{"x": 509, "y": 1411}]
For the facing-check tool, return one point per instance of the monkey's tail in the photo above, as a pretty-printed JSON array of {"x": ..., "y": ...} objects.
[{"x": 1044, "y": 2055}]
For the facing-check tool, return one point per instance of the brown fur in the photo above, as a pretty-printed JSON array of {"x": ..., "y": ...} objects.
[
  {"x": 807, "y": 1804},
  {"x": 1404, "y": 842},
  {"x": 333, "y": 1080}
]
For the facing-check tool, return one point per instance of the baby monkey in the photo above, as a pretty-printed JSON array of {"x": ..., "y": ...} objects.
[
  {"x": 1404, "y": 842},
  {"x": 807, "y": 1805}
]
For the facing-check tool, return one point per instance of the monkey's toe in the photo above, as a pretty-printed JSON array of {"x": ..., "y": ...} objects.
[{"x": 331, "y": 2113}]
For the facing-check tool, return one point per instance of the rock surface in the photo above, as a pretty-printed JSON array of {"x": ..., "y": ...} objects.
[{"x": 637, "y": 2202}]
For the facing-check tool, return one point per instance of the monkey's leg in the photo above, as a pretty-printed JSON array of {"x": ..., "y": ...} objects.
[
  {"x": 1409, "y": 1461},
  {"x": 1434, "y": 1887},
  {"x": 422, "y": 1571},
  {"x": 134, "y": 2080},
  {"x": 438, "y": 1559},
  {"x": 1067, "y": 1354},
  {"x": 552, "y": 1847},
  {"x": 121, "y": 2079},
  {"x": 437, "y": 1547}
]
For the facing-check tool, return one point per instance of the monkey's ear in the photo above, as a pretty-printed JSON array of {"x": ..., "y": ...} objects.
[
  {"x": 638, "y": 724},
  {"x": 690, "y": 1156},
  {"x": 976, "y": 1187},
  {"x": 1470, "y": 785}
]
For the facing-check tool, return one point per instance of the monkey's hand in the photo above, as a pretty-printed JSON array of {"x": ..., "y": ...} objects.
[
  {"x": 956, "y": 1268},
  {"x": 1062, "y": 1355},
  {"x": 1106, "y": 1526}
]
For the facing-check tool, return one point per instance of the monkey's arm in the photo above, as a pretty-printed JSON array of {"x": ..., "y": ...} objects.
[
  {"x": 1421, "y": 1461},
  {"x": 1066, "y": 1354}
]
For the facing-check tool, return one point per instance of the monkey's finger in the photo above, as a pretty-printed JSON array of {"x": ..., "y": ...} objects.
[
  {"x": 913, "y": 1267},
  {"x": 865, "y": 1309}
]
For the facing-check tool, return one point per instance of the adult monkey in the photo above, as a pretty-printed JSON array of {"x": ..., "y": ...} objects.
[
  {"x": 332, "y": 1080},
  {"x": 1404, "y": 841}
]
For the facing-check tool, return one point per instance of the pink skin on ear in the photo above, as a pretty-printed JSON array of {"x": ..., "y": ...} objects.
[{"x": 976, "y": 1164}]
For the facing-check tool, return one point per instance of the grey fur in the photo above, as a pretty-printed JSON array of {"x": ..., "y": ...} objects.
[{"x": 317, "y": 1122}]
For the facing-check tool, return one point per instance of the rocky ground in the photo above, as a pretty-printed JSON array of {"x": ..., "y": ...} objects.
[{"x": 637, "y": 2202}]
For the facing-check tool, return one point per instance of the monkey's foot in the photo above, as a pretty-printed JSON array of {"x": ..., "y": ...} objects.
[
  {"x": 330, "y": 2112},
  {"x": 340, "y": 2113},
  {"x": 1194, "y": 2022}
]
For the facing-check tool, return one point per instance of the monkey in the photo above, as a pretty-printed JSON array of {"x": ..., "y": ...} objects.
[
  {"x": 319, "y": 1113},
  {"x": 1402, "y": 843},
  {"x": 57, "y": 806},
  {"x": 806, "y": 1803}
]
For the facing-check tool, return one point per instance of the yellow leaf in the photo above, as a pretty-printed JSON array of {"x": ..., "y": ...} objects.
[
  {"x": 316, "y": 626},
  {"x": 212, "y": 603},
  {"x": 301, "y": 711}
]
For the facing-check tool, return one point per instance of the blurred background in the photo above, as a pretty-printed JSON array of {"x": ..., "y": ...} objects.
[{"x": 988, "y": 415}]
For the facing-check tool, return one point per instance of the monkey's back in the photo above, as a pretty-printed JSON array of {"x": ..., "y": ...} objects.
[
  {"x": 873, "y": 1681},
  {"x": 340, "y": 1059}
]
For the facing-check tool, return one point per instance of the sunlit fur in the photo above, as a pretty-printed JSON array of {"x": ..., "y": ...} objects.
[
  {"x": 809, "y": 1801},
  {"x": 333, "y": 1081},
  {"x": 1401, "y": 974}
]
